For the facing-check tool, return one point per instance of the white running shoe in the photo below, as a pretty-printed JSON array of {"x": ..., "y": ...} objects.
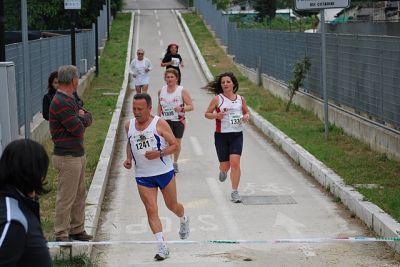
[
  {"x": 162, "y": 254},
  {"x": 235, "y": 197},
  {"x": 184, "y": 230}
]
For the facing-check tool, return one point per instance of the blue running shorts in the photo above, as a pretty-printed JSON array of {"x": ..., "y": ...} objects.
[{"x": 160, "y": 181}]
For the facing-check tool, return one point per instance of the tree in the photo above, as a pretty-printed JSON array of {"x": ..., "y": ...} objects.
[
  {"x": 51, "y": 15},
  {"x": 265, "y": 8},
  {"x": 284, "y": 4}
]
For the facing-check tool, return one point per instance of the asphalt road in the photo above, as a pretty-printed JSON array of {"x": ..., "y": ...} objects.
[{"x": 304, "y": 210}]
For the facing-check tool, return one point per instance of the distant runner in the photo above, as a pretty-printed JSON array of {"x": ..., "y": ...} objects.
[
  {"x": 173, "y": 60},
  {"x": 150, "y": 141},
  {"x": 229, "y": 111},
  {"x": 139, "y": 69}
]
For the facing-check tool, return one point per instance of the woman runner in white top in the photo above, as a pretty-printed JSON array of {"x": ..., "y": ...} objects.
[
  {"x": 173, "y": 102},
  {"x": 140, "y": 68},
  {"x": 229, "y": 110}
]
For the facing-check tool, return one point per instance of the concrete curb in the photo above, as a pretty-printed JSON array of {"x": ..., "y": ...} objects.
[
  {"x": 196, "y": 50},
  {"x": 374, "y": 217},
  {"x": 95, "y": 196},
  {"x": 97, "y": 188}
]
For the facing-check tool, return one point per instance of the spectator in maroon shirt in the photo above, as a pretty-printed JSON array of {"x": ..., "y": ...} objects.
[{"x": 67, "y": 127}]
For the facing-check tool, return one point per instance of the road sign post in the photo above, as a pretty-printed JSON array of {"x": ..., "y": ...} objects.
[
  {"x": 321, "y": 5},
  {"x": 72, "y": 5},
  {"x": 26, "y": 68}
]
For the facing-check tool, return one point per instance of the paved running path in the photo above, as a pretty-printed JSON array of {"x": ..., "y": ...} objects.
[{"x": 265, "y": 172}]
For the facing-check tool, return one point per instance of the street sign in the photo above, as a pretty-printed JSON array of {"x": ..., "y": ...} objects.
[
  {"x": 72, "y": 4},
  {"x": 320, "y": 4}
]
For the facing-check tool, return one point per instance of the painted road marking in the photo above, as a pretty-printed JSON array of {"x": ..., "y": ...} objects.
[{"x": 196, "y": 146}]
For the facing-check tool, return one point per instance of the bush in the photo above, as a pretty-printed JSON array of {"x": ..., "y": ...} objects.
[{"x": 301, "y": 68}]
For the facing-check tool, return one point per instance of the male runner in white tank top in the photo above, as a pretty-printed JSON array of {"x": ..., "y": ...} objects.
[{"x": 150, "y": 141}]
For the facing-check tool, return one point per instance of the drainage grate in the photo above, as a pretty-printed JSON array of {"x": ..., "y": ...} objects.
[{"x": 268, "y": 200}]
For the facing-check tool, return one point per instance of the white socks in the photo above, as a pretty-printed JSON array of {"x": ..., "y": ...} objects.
[
  {"x": 183, "y": 219},
  {"x": 159, "y": 237}
]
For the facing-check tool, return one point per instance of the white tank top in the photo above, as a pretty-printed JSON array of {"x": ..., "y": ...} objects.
[
  {"x": 138, "y": 67},
  {"x": 147, "y": 140},
  {"x": 233, "y": 109},
  {"x": 169, "y": 101}
]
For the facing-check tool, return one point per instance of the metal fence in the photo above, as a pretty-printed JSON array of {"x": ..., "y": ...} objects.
[
  {"x": 8, "y": 104},
  {"x": 214, "y": 17},
  {"x": 47, "y": 55},
  {"x": 362, "y": 71}
]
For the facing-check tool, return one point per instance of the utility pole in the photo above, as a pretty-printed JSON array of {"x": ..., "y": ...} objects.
[
  {"x": 72, "y": 5},
  {"x": 96, "y": 37},
  {"x": 96, "y": 42},
  {"x": 27, "y": 80},
  {"x": 319, "y": 5},
  {"x": 73, "y": 38},
  {"x": 108, "y": 19},
  {"x": 2, "y": 33},
  {"x": 323, "y": 74}
]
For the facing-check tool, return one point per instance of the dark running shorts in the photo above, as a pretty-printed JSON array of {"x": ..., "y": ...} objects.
[
  {"x": 177, "y": 128},
  {"x": 160, "y": 181},
  {"x": 227, "y": 144}
]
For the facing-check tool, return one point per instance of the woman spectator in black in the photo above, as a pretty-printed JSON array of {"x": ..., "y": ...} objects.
[
  {"x": 52, "y": 87},
  {"x": 173, "y": 60},
  {"x": 23, "y": 168}
]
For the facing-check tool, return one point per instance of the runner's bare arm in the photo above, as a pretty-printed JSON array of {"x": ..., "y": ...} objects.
[
  {"x": 158, "y": 104},
  {"x": 187, "y": 102},
  {"x": 164, "y": 64},
  {"x": 210, "y": 114},
  {"x": 246, "y": 111},
  {"x": 128, "y": 161},
  {"x": 165, "y": 131}
]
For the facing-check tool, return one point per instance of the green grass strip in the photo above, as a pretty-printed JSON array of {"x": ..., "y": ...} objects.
[{"x": 353, "y": 160}]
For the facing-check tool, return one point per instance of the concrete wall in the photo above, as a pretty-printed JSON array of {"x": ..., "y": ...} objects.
[{"x": 384, "y": 140}]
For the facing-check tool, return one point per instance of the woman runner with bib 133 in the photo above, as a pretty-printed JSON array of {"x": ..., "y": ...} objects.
[
  {"x": 173, "y": 102},
  {"x": 229, "y": 111}
]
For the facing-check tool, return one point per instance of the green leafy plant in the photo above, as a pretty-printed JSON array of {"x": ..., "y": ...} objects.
[
  {"x": 300, "y": 70},
  {"x": 221, "y": 4}
]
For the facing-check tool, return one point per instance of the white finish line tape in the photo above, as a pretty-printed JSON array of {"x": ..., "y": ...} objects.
[{"x": 275, "y": 241}]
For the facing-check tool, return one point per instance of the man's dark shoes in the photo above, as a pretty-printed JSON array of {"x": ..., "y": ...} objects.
[
  {"x": 82, "y": 236},
  {"x": 63, "y": 239}
]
